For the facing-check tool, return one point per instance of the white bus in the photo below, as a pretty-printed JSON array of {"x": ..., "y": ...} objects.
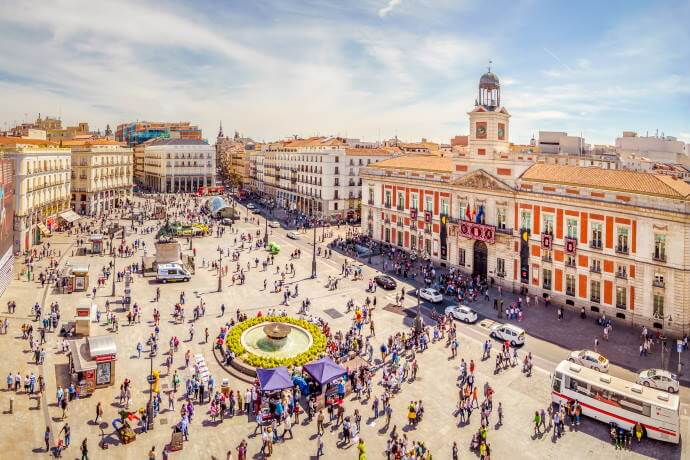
[{"x": 610, "y": 399}]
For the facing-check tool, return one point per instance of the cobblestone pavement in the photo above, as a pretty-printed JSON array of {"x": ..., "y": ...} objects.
[{"x": 435, "y": 385}]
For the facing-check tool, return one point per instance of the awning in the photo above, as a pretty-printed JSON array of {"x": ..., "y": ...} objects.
[
  {"x": 80, "y": 361},
  {"x": 324, "y": 370},
  {"x": 44, "y": 230},
  {"x": 101, "y": 345},
  {"x": 69, "y": 216},
  {"x": 274, "y": 379}
]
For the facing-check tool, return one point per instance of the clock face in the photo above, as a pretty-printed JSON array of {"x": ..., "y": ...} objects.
[{"x": 481, "y": 130}]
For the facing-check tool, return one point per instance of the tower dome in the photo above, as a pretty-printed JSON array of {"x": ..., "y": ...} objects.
[{"x": 489, "y": 91}]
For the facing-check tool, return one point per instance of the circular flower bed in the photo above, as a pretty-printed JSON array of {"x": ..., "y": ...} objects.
[{"x": 234, "y": 343}]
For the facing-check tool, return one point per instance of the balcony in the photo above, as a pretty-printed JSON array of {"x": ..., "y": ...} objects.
[
  {"x": 595, "y": 269},
  {"x": 622, "y": 274},
  {"x": 387, "y": 205},
  {"x": 501, "y": 274},
  {"x": 622, "y": 250},
  {"x": 399, "y": 223},
  {"x": 595, "y": 299},
  {"x": 370, "y": 202},
  {"x": 659, "y": 257},
  {"x": 570, "y": 264},
  {"x": 546, "y": 259},
  {"x": 400, "y": 208},
  {"x": 595, "y": 244},
  {"x": 505, "y": 231},
  {"x": 659, "y": 284}
]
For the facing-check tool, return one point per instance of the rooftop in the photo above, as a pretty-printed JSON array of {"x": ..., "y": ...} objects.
[
  {"x": 431, "y": 163},
  {"x": 165, "y": 141},
  {"x": 617, "y": 180},
  {"x": 20, "y": 141},
  {"x": 372, "y": 152},
  {"x": 89, "y": 142}
]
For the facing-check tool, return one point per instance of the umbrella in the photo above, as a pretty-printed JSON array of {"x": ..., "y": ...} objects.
[
  {"x": 324, "y": 370},
  {"x": 274, "y": 379}
]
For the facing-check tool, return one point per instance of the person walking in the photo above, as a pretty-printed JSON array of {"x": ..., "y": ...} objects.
[
  {"x": 84, "y": 450},
  {"x": 537, "y": 422},
  {"x": 99, "y": 412},
  {"x": 46, "y": 438}
]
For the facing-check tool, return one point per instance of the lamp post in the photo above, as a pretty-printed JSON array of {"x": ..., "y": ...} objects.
[
  {"x": 220, "y": 269},
  {"x": 418, "y": 321},
  {"x": 313, "y": 259},
  {"x": 112, "y": 248},
  {"x": 266, "y": 232},
  {"x": 149, "y": 406}
]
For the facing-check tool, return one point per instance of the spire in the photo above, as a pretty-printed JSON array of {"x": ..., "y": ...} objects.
[{"x": 220, "y": 131}]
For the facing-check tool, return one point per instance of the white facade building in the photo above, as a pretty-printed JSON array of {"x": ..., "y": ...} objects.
[
  {"x": 665, "y": 149},
  {"x": 559, "y": 143},
  {"x": 42, "y": 192},
  {"x": 102, "y": 173},
  {"x": 178, "y": 165}
]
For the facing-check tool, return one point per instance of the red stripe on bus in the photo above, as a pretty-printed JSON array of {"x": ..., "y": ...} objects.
[{"x": 649, "y": 427}]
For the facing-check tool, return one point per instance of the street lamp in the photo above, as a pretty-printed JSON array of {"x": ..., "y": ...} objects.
[
  {"x": 266, "y": 231},
  {"x": 220, "y": 268},
  {"x": 313, "y": 260},
  {"x": 151, "y": 379},
  {"x": 112, "y": 248},
  {"x": 418, "y": 321}
]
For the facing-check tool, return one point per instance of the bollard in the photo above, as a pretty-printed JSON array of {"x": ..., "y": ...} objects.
[{"x": 12, "y": 405}]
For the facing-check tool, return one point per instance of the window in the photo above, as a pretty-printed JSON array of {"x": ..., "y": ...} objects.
[
  {"x": 546, "y": 275},
  {"x": 400, "y": 239},
  {"x": 660, "y": 247},
  {"x": 461, "y": 257},
  {"x": 658, "y": 280},
  {"x": 570, "y": 284},
  {"x": 596, "y": 235},
  {"x": 525, "y": 220},
  {"x": 335, "y": 197},
  {"x": 571, "y": 225},
  {"x": 658, "y": 306},
  {"x": 401, "y": 201},
  {"x": 500, "y": 267},
  {"x": 387, "y": 234},
  {"x": 570, "y": 260},
  {"x": 428, "y": 203},
  {"x": 371, "y": 196},
  {"x": 501, "y": 218},
  {"x": 546, "y": 255},
  {"x": 621, "y": 297},
  {"x": 336, "y": 182},
  {"x": 596, "y": 266},
  {"x": 622, "y": 240},
  {"x": 548, "y": 224},
  {"x": 445, "y": 209},
  {"x": 413, "y": 242},
  {"x": 415, "y": 201},
  {"x": 387, "y": 199},
  {"x": 595, "y": 291}
]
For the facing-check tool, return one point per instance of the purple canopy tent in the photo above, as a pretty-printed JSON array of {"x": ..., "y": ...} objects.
[
  {"x": 274, "y": 379},
  {"x": 324, "y": 370}
]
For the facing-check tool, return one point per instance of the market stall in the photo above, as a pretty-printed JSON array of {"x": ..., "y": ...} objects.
[
  {"x": 86, "y": 314},
  {"x": 92, "y": 363},
  {"x": 96, "y": 243},
  {"x": 75, "y": 278},
  {"x": 67, "y": 218},
  {"x": 326, "y": 378},
  {"x": 271, "y": 383}
]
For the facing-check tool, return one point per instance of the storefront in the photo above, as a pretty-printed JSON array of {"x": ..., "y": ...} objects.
[{"x": 92, "y": 363}]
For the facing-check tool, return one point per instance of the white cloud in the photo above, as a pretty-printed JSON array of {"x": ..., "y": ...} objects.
[{"x": 383, "y": 12}]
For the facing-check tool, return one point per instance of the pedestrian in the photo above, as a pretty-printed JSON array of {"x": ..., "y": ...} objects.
[
  {"x": 99, "y": 412},
  {"x": 84, "y": 450},
  {"x": 596, "y": 344},
  {"x": 46, "y": 438},
  {"x": 537, "y": 422}
]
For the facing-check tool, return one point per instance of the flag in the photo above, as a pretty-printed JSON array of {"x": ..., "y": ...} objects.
[
  {"x": 468, "y": 216},
  {"x": 480, "y": 214},
  {"x": 474, "y": 213}
]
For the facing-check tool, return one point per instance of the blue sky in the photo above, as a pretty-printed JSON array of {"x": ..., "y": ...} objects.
[{"x": 361, "y": 68}]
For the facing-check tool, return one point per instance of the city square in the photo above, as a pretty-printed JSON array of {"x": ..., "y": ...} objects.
[{"x": 435, "y": 383}]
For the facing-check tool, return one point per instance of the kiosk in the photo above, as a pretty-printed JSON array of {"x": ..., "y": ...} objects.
[
  {"x": 75, "y": 278},
  {"x": 86, "y": 313},
  {"x": 96, "y": 243},
  {"x": 92, "y": 363}
]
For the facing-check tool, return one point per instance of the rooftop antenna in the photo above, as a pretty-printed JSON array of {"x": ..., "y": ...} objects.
[{"x": 490, "y": 62}]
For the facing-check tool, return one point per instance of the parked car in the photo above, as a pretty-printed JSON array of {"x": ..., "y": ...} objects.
[
  {"x": 251, "y": 206},
  {"x": 660, "y": 379},
  {"x": 432, "y": 295},
  {"x": 591, "y": 359},
  {"x": 362, "y": 251},
  {"x": 513, "y": 334},
  {"x": 385, "y": 281},
  {"x": 274, "y": 224},
  {"x": 172, "y": 272},
  {"x": 462, "y": 313},
  {"x": 293, "y": 235},
  {"x": 226, "y": 221}
]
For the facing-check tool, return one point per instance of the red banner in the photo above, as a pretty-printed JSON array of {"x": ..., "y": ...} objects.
[
  {"x": 570, "y": 245},
  {"x": 546, "y": 241},
  {"x": 427, "y": 217},
  {"x": 413, "y": 214},
  {"x": 481, "y": 232}
]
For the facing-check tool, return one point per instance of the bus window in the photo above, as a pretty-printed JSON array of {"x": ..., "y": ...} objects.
[{"x": 557, "y": 381}]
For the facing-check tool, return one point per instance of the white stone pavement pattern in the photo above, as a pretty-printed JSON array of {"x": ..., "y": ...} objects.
[{"x": 22, "y": 433}]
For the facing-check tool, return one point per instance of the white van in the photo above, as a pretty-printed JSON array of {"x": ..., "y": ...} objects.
[
  {"x": 513, "y": 334},
  {"x": 172, "y": 272}
]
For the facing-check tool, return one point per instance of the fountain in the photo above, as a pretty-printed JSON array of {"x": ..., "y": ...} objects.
[{"x": 276, "y": 340}]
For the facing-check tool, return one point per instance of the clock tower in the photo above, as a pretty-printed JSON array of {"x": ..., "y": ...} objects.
[{"x": 488, "y": 121}]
